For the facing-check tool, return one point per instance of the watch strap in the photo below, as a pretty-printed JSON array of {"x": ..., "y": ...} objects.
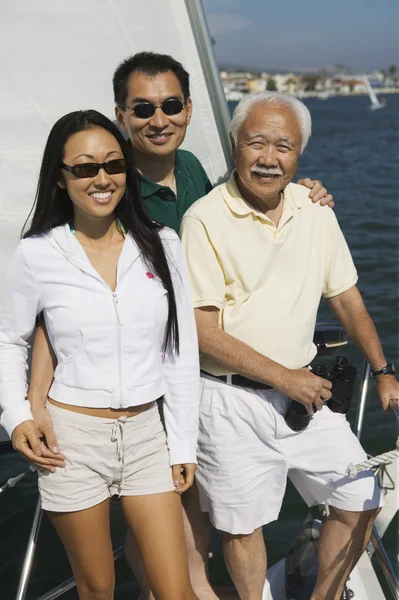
[{"x": 389, "y": 369}]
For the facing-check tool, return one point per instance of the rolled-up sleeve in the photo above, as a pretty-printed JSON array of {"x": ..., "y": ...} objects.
[
  {"x": 181, "y": 401},
  {"x": 206, "y": 274},
  {"x": 339, "y": 270},
  {"x": 21, "y": 305}
]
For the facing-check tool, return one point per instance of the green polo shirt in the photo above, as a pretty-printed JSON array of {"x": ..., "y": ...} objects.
[{"x": 161, "y": 202}]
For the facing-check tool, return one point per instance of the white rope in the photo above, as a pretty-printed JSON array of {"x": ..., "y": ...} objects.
[{"x": 375, "y": 461}]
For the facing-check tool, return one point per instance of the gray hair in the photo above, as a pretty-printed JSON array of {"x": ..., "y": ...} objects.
[{"x": 285, "y": 100}]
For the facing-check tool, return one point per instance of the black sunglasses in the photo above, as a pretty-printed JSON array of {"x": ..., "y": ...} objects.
[
  {"x": 85, "y": 170},
  {"x": 145, "y": 110}
]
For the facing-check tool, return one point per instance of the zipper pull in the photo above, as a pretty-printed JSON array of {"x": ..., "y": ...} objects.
[{"x": 116, "y": 304}]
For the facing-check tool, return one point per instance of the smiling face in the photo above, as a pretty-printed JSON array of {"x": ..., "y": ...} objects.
[
  {"x": 159, "y": 135},
  {"x": 266, "y": 153},
  {"x": 93, "y": 196}
]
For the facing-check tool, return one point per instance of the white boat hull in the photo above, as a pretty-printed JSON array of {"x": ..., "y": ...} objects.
[{"x": 363, "y": 581}]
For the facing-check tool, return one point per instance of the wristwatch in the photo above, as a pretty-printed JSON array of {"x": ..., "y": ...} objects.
[{"x": 389, "y": 369}]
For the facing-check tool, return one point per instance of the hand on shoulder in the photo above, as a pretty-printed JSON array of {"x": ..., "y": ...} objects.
[{"x": 318, "y": 193}]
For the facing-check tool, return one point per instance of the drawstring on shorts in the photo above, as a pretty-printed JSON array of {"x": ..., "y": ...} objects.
[{"x": 117, "y": 436}]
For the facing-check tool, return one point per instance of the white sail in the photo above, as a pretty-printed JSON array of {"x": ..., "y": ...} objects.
[
  {"x": 375, "y": 103},
  {"x": 61, "y": 57}
]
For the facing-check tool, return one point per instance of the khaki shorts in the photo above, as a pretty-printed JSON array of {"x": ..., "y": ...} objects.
[
  {"x": 126, "y": 456},
  {"x": 246, "y": 451}
]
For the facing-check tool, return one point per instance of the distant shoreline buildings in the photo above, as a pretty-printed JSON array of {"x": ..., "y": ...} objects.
[{"x": 322, "y": 85}]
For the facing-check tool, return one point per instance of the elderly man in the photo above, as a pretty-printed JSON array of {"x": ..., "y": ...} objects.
[{"x": 260, "y": 256}]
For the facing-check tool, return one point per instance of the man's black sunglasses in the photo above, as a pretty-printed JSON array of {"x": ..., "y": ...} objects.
[
  {"x": 145, "y": 110},
  {"x": 85, "y": 170}
]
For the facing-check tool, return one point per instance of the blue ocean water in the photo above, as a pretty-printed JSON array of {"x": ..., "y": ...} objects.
[{"x": 355, "y": 152}]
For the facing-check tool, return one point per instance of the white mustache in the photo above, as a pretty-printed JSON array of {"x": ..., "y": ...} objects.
[{"x": 265, "y": 171}]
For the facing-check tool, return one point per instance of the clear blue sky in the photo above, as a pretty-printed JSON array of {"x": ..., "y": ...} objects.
[{"x": 304, "y": 34}]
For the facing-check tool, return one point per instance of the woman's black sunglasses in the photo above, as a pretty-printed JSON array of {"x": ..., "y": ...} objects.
[
  {"x": 145, "y": 110},
  {"x": 85, "y": 170}
]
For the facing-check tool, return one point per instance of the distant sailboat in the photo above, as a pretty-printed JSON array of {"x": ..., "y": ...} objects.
[{"x": 375, "y": 103}]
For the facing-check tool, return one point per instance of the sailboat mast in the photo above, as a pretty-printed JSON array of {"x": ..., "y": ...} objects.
[{"x": 210, "y": 69}]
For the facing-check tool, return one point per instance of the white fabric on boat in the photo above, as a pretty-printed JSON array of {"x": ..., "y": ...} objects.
[{"x": 61, "y": 57}]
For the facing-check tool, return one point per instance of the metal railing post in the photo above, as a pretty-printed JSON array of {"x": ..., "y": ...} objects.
[
  {"x": 210, "y": 69},
  {"x": 385, "y": 563},
  {"x": 30, "y": 551},
  {"x": 375, "y": 541},
  {"x": 362, "y": 400},
  {"x": 69, "y": 584}
]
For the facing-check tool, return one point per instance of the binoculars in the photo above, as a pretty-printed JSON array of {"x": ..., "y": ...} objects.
[{"x": 342, "y": 377}]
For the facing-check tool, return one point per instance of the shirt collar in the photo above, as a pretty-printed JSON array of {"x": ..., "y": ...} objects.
[
  {"x": 147, "y": 186},
  {"x": 150, "y": 188},
  {"x": 238, "y": 205},
  {"x": 63, "y": 239}
]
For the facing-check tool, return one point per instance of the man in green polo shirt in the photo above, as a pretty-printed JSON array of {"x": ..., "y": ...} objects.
[{"x": 153, "y": 106}]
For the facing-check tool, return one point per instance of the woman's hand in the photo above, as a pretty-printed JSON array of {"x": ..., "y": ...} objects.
[
  {"x": 183, "y": 476},
  {"x": 26, "y": 439}
]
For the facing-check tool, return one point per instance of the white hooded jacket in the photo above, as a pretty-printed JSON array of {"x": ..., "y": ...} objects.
[{"x": 108, "y": 344}]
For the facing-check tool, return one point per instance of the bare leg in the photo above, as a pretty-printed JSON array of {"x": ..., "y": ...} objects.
[
  {"x": 197, "y": 533},
  {"x": 246, "y": 560},
  {"x": 85, "y": 535},
  {"x": 344, "y": 537},
  {"x": 133, "y": 557},
  {"x": 155, "y": 521}
]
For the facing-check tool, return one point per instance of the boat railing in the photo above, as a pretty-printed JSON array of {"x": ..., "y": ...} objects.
[
  {"x": 385, "y": 563},
  {"x": 361, "y": 408},
  {"x": 375, "y": 542}
]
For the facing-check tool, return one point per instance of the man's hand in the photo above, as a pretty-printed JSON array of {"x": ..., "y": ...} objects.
[
  {"x": 319, "y": 192},
  {"x": 388, "y": 391},
  {"x": 305, "y": 387},
  {"x": 183, "y": 476},
  {"x": 44, "y": 427}
]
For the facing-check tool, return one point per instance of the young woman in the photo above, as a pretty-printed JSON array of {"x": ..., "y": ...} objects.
[{"x": 113, "y": 290}]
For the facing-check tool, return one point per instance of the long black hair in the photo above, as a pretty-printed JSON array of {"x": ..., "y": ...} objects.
[{"x": 52, "y": 206}]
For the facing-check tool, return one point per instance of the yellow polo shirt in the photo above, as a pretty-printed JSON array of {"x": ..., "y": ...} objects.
[{"x": 267, "y": 281}]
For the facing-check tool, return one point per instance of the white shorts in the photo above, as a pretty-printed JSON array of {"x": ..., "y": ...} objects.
[
  {"x": 126, "y": 456},
  {"x": 246, "y": 450}
]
